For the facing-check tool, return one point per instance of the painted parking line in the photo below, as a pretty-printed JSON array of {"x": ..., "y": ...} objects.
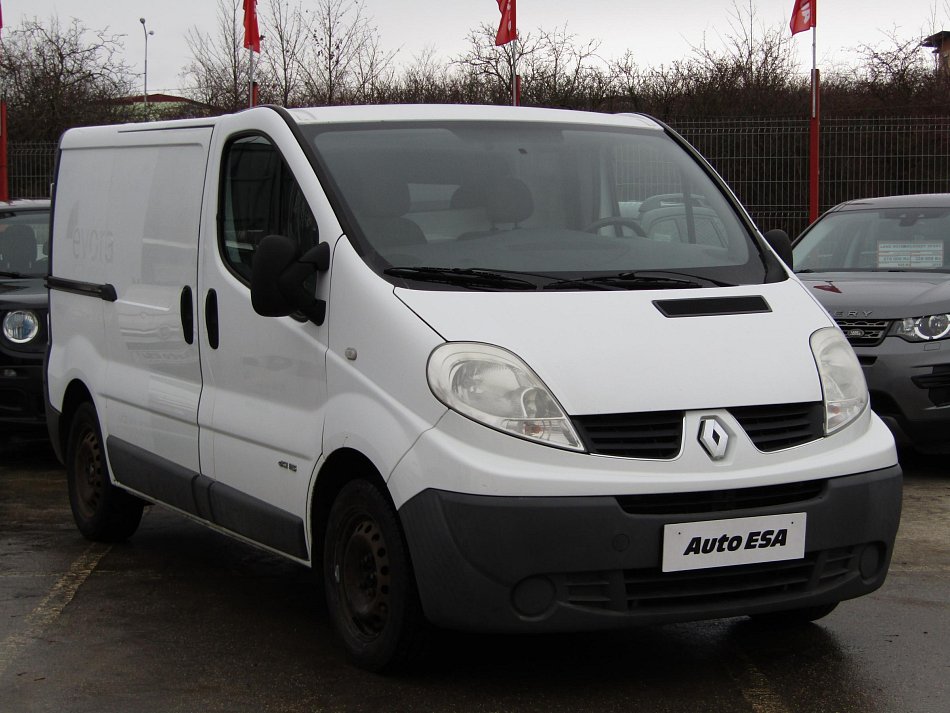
[{"x": 49, "y": 610}]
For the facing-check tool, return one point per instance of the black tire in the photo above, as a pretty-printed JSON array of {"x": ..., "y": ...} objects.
[
  {"x": 370, "y": 587},
  {"x": 795, "y": 617},
  {"x": 103, "y": 512}
]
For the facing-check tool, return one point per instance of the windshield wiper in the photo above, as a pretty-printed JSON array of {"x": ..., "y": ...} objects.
[
  {"x": 638, "y": 280},
  {"x": 4, "y": 273},
  {"x": 466, "y": 277}
]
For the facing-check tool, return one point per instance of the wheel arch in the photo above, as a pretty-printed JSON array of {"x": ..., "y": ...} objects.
[
  {"x": 75, "y": 395},
  {"x": 339, "y": 468}
]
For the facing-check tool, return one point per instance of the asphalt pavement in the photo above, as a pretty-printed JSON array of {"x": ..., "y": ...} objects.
[{"x": 181, "y": 618}]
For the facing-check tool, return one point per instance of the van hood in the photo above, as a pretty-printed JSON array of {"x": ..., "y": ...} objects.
[
  {"x": 881, "y": 295},
  {"x": 616, "y": 352}
]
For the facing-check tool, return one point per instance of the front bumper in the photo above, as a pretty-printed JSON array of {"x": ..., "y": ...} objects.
[
  {"x": 910, "y": 390},
  {"x": 533, "y": 564},
  {"x": 21, "y": 389}
]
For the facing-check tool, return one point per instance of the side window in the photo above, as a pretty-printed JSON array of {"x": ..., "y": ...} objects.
[{"x": 259, "y": 197}]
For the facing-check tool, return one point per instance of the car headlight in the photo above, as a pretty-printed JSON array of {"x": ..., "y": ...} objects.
[
  {"x": 923, "y": 329},
  {"x": 21, "y": 326},
  {"x": 842, "y": 381},
  {"x": 494, "y": 387}
]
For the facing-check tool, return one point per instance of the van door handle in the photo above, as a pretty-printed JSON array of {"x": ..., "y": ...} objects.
[
  {"x": 211, "y": 318},
  {"x": 187, "y": 315}
]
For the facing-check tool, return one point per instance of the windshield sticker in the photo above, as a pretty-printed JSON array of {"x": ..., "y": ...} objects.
[{"x": 907, "y": 255}]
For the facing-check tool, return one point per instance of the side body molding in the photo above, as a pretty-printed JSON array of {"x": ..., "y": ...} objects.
[{"x": 205, "y": 499}]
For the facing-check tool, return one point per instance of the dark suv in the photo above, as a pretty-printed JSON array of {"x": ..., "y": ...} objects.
[{"x": 24, "y": 238}]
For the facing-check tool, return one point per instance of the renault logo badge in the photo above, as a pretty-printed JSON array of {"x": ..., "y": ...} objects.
[{"x": 713, "y": 437}]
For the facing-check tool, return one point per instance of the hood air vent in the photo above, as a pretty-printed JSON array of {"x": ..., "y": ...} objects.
[{"x": 712, "y": 306}]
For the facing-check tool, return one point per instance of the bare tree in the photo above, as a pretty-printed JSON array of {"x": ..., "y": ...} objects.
[
  {"x": 283, "y": 46},
  {"x": 57, "y": 76},
  {"x": 219, "y": 71},
  {"x": 490, "y": 67},
  {"x": 756, "y": 72},
  {"x": 344, "y": 58},
  {"x": 896, "y": 72},
  {"x": 661, "y": 91},
  {"x": 559, "y": 71}
]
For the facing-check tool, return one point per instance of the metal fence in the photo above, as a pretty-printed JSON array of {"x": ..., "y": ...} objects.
[
  {"x": 764, "y": 161},
  {"x": 30, "y": 166}
]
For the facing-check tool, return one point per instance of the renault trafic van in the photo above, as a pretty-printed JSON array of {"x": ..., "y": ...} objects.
[{"x": 513, "y": 370}]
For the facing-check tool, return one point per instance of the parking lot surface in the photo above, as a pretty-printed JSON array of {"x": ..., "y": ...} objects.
[{"x": 183, "y": 619}]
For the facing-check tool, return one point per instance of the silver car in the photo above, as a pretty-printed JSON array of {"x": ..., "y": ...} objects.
[{"x": 881, "y": 267}]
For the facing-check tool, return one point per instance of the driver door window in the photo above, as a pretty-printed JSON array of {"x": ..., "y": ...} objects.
[{"x": 260, "y": 197}]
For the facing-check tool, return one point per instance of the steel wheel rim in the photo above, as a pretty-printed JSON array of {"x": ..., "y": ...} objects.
[
  {"x": 87, "y": 474},
  {"x": 362, "y": 574}
]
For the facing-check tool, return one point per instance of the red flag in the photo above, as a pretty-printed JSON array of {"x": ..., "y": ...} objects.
[
  {"x": 252, "y": 36},
  {"x": 508, "y": 29},
  {"x": 803, "y": 15}
]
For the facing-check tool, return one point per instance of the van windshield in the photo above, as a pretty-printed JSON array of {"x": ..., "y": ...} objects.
[{"x": 501, "y": 205}]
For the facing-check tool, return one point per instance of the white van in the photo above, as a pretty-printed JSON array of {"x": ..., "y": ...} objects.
[{"x": 514, "y": 370}]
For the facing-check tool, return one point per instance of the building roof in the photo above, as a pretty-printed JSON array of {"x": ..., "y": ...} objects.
[
  {"x": 936, "y": 40},
  {"x": 159, "y": 99}
]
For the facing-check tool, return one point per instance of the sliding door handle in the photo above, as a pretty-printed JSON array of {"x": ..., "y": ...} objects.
[
  {"x": 187, "y": 315},
  {"x": 211, "y": 318}
]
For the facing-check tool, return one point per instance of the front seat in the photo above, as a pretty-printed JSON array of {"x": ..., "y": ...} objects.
[
  {"x": 381, "y": 210},
  {"x": 508, "y": 201}
]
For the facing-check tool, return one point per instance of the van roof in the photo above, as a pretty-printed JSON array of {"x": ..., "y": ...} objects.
[
  {"x": 459, "y": 112},
  {"x": 80, "y": 136}
]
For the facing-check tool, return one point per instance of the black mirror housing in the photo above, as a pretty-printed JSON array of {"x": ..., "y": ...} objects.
[
  {"x": 277, "y": 278},
  {"x": 779, "y": 241}
]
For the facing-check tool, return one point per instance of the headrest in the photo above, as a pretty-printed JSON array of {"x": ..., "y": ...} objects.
[
  {"x": 382, "y": 197},
  {"x": 468, "y": 197},
  {"x": 509, "y": 201}
]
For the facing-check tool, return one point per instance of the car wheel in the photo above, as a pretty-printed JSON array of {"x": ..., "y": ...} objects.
[
  {"x": 370, "y": 587},
  {"x": 102, "y": 512}
]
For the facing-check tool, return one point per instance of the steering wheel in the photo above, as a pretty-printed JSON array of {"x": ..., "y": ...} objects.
[{"x": 616, "y": 220}]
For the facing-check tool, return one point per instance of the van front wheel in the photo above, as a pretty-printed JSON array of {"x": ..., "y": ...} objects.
[
  {"x": 103, "y": 512},
  {"x": 370, "y": 588}
]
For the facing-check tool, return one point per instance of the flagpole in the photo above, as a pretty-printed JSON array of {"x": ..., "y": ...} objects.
[
  {"x": 514, "y": 72},
  {"x": 252, "y": 43},
  {"x": 813, "y": 155},
  {"x": 250, "y": 86}
]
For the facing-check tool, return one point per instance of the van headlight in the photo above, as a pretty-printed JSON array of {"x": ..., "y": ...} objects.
[
  {"x": 842, "y": 381},
  {"x": 494, "y": 387},
  {"x": 21, "y": 326}
]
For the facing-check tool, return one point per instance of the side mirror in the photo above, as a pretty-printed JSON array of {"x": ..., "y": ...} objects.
[
  {"x": 779, "y": 241},
  {"x": 278, "y": 276}
]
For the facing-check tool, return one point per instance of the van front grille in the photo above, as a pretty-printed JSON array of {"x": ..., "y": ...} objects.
[
  {"x": 778, "y": 426},
  {"x": 699, "y": 502},
  {"x": 651, "y": 589},
  {"x": 656, "y": 435}
]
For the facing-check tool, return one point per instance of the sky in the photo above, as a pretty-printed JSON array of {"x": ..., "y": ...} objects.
[{"x": 655, "y": 32}]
